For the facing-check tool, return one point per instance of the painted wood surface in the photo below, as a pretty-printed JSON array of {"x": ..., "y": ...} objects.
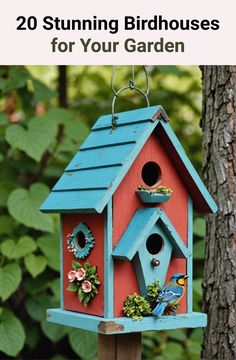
[
  {"x": 119, "y": 347},
  {"x": 202, "y": 200},
  {"x": 141, "y": 226},
  {"x": 131, "y": 135},
  {"x": 125, "y": 204},
  {"x": 108, "y": 263},
  {"x": 123, "y": 325},
  {"x": 100, "y": 178},
  {"x": 96, "y": 257},
  {"x": 190, "y": 259},
  {"x": 132, "y": 116}
]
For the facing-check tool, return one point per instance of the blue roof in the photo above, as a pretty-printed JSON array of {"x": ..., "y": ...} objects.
[
  {"x": 138, "y": 230},
  {"x": 95, "y": 172}
]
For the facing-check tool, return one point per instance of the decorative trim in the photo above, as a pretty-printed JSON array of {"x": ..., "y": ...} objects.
[
  {"x": 61, "y": 263},
  {"x": 139, "y": 228},
  {"x": 122, "y": 325},
  {"x": 190, "y": 259},
  {"x": 108, "y": 264},
  {"x": 73, "y": 247}
]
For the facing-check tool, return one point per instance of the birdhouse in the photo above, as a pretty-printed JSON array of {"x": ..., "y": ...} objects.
[{"x": 122, "y": 228}]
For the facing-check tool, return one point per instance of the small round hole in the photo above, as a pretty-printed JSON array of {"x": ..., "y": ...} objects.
[
  {"x": 154, "y": 244},
  {"x": 80, "y": 239},
  {"x": 151, "y": 173}
]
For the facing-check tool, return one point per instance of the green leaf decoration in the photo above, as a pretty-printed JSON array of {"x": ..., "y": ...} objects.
[
  {"x": 10, "y": 278},
  {"x": 76, "y": 265},
  {"x": 23, "y": 206},
  {"x": 199, "y": 250},
  {"x": 50, "y": 247},
  {"x": 35, "y": 264},
  {"x": 12, "y": 335},
  {"x": 73, "y": 287},
  {"x": 34, "y": 140},
  {"x": 54, "y": 332},
  {"x": 23, "y": 247},
  {"x": 84, "y": 343},
  {"x": 199, "y": 227}
]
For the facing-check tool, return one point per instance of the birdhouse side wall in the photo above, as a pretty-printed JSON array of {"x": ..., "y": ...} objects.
[
  {"x": 126, "y": 202},
  {"x": 96, "y": 257}
]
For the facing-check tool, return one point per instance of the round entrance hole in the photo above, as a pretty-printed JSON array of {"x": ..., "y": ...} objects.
[
  {"x": 151, "y": 173},
  {"x": 154, "y": 244},
  {"x": 80, "y": 239}
]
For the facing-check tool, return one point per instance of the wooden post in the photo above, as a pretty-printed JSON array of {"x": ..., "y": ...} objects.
[{"x": 119, "y": 347}]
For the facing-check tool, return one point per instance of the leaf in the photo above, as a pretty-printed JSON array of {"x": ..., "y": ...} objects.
[
  {"x": 76, "y": 265},
  {"x": 23, "y": 247},
  {"x": 54, "y": 332},
  {"x": 84, "y": 343},
  {"x": 173, "y": 348},
  {"x": 6, "y": 225},
  {"x": 197, "y": 287},
  {"x": 50, "y": 247},
  {"x": 12, "y": 335},
  {"x": 73, "y": 287},
  {"x": 35, "y": 140},
  {"x": 6, "y": 188},
  {"x": 35, "y": 264},
  {"x": 32, "y": 335},
  {"x": 41, "y": 91},
  {"x": 23, "y": 205},
  {"x": 17, "y": 78},
  {"x": 55, "y": 287},
  {"x": 10, "y": 278},
  {"x": 199, "y": 250},
  {"x": 36, "y": 306},
  {"x": 199, "y": 227}
]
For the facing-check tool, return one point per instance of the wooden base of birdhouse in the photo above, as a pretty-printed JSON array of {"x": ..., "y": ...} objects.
[{"x": 122, "y": 325}]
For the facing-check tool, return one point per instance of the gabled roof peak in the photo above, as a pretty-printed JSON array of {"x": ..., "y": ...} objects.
[{"x": 103, "y": 160}]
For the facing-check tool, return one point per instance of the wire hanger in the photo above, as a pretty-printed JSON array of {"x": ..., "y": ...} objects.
[{"x": 131, "y": 87}]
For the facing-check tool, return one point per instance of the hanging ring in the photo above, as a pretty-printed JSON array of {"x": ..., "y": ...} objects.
[{"x": 131, "y": 87}]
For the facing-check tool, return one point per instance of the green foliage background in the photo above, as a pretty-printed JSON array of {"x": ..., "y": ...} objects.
[{"x": 37, "y": 140}]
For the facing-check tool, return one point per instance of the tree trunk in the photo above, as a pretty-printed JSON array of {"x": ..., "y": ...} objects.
[
  {"x": 219, "y": 171},
  {"x": 62, "y": 86}
]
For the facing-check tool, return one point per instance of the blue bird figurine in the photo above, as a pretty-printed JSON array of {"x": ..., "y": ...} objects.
[{"x": 171, "y": 294}]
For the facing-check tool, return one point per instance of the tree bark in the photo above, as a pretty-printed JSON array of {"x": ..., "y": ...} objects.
[{"x": 219, "y": 171}]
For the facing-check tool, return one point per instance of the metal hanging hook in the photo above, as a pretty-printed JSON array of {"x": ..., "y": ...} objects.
[{"x": 131, "y": 87}]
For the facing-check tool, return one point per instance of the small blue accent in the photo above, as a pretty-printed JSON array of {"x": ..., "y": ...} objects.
[
  {"x": 94, "y": 174},
  {"x": 151, "y": 197},
  {"x": 77, "y": 251}
]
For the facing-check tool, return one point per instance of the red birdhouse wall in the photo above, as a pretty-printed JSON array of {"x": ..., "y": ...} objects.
[{"x": 126, "y": 202}]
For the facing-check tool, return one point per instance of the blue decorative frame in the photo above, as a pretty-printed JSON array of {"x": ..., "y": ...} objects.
[{"x": 78, "y": 252}]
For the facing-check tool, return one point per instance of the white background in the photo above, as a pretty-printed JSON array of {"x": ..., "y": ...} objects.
[{"x": 201, "y": 47}]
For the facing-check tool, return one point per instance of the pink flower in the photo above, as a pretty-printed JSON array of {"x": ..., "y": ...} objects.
[
  {"x": 80, "y": 274},
  {"x": 71, "y": 275},
  {"x": 86, "y": 286}
]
